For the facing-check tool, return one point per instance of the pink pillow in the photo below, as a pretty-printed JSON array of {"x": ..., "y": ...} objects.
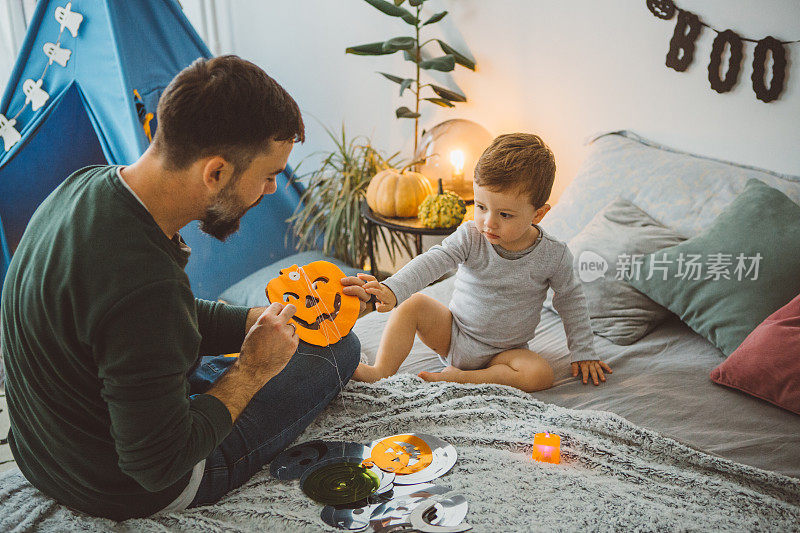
[{"x": 767, "y": 363}]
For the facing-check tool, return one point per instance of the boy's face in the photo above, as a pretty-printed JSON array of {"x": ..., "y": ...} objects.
[{"x": 506, "y": 218}]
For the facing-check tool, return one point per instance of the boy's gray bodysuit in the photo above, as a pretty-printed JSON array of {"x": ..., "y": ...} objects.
[{"x": 497, "y": 302}]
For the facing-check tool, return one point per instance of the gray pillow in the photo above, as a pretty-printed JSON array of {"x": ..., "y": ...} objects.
[{"x": 619, "y": 235}]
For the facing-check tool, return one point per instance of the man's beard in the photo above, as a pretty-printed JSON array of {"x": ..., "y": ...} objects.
[{"x": 222, "y": 217}]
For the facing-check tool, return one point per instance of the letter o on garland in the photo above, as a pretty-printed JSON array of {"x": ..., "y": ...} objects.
[
  {"x": 778, "y": 69},
  {"x": 734, "y": 63},
  {"x": 686, "y": 31}
]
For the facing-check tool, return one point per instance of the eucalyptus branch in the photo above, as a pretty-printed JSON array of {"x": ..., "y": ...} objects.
[{"x": 411, "y": 46}]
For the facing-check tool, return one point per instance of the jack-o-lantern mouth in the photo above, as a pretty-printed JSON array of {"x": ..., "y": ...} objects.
[{"x": 337, "y": 304}]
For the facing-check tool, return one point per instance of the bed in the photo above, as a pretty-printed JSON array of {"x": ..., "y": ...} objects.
[
  {"x": 661, "y": 381},
  {"x": 658, "y": 447}
]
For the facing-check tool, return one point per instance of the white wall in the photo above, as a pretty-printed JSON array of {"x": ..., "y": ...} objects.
[
  {"x": 561, "y": 69},
  {"x": 14, "y": 17}
]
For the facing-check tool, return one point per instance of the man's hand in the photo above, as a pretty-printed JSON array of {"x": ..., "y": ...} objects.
[
  {"x": 252, "y": 316},
  {"x": 268, "y": 346},
  {"x": 354, "y": 286},
  {"x": 591, "y": 368},
  {"x": 271, "y": 341}
]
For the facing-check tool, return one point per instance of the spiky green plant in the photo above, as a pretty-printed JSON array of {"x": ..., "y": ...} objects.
[{"x": 330, "y": 207}]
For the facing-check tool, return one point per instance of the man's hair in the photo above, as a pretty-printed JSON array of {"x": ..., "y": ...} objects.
[
  {"x": 521, "y": 162},
  {"x": 223, "y": 106}
]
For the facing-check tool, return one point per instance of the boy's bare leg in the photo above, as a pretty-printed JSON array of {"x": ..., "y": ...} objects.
[
  {"x": 420, "y": 315},
  {"x": 520, "y": 368}
]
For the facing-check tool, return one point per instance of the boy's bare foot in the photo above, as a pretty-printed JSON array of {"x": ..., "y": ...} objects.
[
  {"x": 367, "y": 373},
  {"x": 449, "y": 373}
]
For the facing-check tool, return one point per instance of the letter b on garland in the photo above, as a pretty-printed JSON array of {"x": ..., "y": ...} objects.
[{"x": 681, "y": 46}]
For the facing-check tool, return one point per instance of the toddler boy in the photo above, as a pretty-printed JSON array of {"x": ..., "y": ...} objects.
[{"x": 506, "y": 263}]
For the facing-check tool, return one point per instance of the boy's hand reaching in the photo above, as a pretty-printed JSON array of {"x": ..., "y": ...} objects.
[
  {"x": 591, "y": 368},
  {"x": 386, "y": 298},
  {"x": 360, "y": 286},
  {"x": 354, "y": 286}
]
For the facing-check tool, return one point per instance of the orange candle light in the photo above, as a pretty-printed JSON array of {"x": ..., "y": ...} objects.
[
  {"x": 457, "y": 159},
  {"x": 547, "y": 448}
]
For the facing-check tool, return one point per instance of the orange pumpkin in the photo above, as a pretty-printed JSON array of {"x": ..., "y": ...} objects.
[
  {"x": 393, "y": 193},
  {"x": 324, "y": 313}
]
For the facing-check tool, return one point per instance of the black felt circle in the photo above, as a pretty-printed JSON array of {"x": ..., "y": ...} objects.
[
  {"x": 340, "y": 483},
  {"x": 663, "y": 9}
]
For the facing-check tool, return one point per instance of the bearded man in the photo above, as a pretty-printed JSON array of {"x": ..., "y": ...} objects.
[{"x": 111, "y": 412}]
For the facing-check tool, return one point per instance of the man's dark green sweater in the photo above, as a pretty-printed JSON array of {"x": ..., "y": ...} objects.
[{"x": 99, "y": 331}]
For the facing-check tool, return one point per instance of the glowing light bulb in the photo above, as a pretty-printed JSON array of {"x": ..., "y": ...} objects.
[
  {"x": 457, "y": 160},
  {"x": 443, "y": 139}
]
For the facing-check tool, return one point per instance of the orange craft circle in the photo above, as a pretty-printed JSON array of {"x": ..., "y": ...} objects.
[
  {"x": 324, "y": 313},
  {"x": 395, "y": 454}
]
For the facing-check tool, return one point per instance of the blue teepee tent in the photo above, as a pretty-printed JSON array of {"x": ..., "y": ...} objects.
[{"x": 103, "y": 65}]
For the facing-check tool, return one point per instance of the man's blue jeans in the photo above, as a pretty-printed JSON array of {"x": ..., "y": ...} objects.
[{"x": 276, "y": 415}]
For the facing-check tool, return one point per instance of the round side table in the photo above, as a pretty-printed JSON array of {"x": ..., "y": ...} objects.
[{"x": 411, "y": 226}]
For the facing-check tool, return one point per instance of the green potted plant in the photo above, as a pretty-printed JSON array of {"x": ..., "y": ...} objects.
[
  {"x": 329, "y": 209},
  {"x": 412, "y": 47}
]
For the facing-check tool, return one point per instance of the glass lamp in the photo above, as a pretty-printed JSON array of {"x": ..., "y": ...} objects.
[{"x": 451, "y": 150}]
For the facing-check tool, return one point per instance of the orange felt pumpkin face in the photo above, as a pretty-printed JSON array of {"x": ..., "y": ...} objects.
[
  {"x": 324, "y": 313},
  {"x": 401, "y": 454}
]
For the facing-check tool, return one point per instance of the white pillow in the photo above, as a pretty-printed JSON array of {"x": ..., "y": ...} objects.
[{"x": 682, "y": 191}]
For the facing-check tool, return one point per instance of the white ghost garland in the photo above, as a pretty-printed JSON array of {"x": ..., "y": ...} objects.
[
  {"x": 34, "y": 94},
  {"x": 56, "y": 53},
  {"x": 7, "y": 131},
  {"x": 69, "y": 19}
]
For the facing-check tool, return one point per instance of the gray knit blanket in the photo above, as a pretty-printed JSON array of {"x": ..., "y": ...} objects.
[{"x": 613, "y": 475}]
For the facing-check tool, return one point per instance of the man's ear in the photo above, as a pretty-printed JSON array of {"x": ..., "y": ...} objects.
[
  {"x": 216, "y": 173},
  {"x": 540, "y": 213}
]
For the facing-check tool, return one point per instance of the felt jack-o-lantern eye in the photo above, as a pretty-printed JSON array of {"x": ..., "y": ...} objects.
[{"x": 324, "y": 313}]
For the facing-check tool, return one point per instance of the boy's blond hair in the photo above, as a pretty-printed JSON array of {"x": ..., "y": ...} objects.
[{"x": 520, "y": 162}]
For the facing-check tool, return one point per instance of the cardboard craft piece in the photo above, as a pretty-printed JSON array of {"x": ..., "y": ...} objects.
[
  {"x": 734, "y": 62},
  {"x": 69, "y": 19},
  {"x": 663, "y": 9},
  {"x": 764, "y": 93},
  {"x": 324, "y": 313},
  {"x": 34, "y": 94},
  {"x": 9, "y": 134},
  {"x": 681, "y": 46},
  {"x": 56, "y": 53}
]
